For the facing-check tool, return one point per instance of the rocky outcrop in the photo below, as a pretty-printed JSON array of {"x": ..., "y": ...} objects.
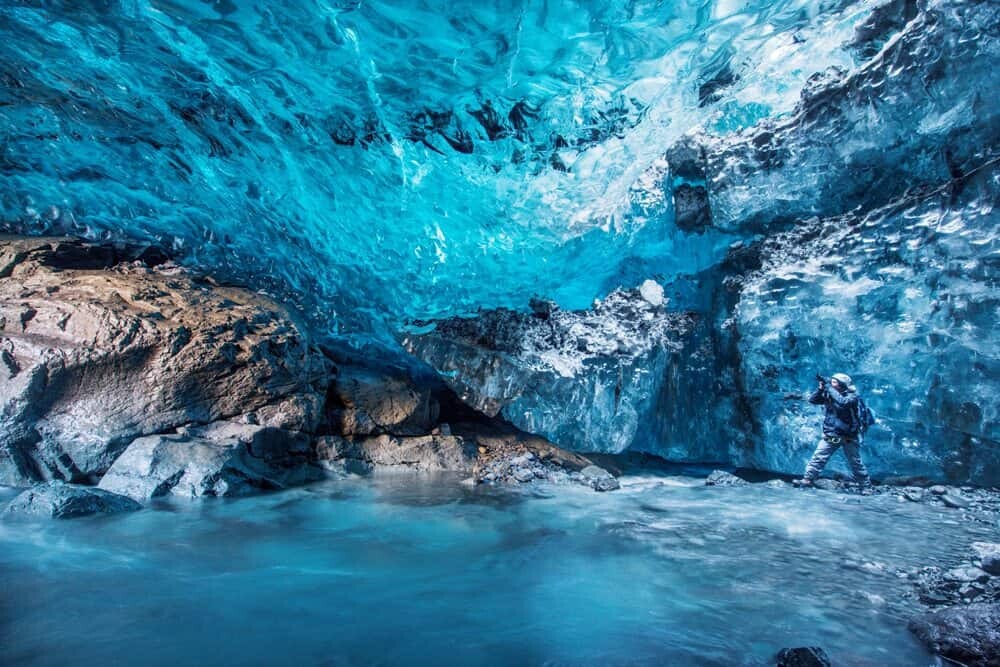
[
  {"x": 365, "y": 400},
  {"x": 803, "y": 656},
  {"x": 508, "y": 455},
  {"x": 98, "y": 351},
  {"x": 426, "y": 452},
  {"x": 491, "y": 451},
  {"x": 221, "y": 459},
  {"x": 989, "y": 556},
  {"x": 723, "y": 478},
  {"x": 967, "y": 635},
  {"x": 58, "y": 500},
  {"x": 125, "y": 369}
]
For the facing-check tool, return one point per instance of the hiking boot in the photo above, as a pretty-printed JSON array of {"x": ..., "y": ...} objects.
[{"x": 803, "y": 483}]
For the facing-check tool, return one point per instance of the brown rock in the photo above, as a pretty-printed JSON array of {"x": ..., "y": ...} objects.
[
  {"x": 368, "y": 401},
  {"x": 95, "y": 354},
  {"x": 429, "y": 452}
]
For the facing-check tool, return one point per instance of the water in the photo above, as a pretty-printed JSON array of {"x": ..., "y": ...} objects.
[{"x": 403, "y": 569}]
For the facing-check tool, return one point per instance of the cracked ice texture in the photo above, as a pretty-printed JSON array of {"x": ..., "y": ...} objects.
[{"x": 381, "y": 160}]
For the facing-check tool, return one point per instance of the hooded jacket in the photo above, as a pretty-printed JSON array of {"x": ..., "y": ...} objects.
[{"x": 841, "y": 409}]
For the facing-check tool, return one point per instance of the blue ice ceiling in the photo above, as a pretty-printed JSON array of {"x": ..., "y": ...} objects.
[{"x": 398, "y": 160}]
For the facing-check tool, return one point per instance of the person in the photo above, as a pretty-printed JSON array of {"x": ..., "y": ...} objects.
[{"x": 841, "y": 428}]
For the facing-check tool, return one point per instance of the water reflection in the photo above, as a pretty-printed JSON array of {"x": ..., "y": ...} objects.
[{"x": 402, "y": 569}]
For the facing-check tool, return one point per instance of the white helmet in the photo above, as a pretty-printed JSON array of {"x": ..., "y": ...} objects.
[{"x": 844, "y": 379}]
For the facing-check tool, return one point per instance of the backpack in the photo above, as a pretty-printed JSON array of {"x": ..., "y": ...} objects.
[{"x": 864, "y": 417}]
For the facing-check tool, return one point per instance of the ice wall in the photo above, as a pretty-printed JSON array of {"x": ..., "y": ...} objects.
[
  {"x": 379, "y": 164},
  {"x": 904, "y": 299},
  {"x": 381, "y": 160}
]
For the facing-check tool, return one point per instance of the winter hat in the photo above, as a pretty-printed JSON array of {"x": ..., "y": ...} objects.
[{"x": 844, "y": 379}]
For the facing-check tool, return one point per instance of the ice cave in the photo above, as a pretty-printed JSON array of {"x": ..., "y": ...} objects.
[{"x": 500, "y": 332}]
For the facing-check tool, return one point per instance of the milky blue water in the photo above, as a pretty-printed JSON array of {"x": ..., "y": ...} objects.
[{"x": 425, "y": 570}]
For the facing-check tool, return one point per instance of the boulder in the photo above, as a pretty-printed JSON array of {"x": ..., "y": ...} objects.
[
  {"x": 723, "y": 478},
  {"x": 96, "y": 354},
  {"x": 805, "y": 656},
  {"x": 967, "y": 635},
  {"x": 67, "y": 501},
  {"x": 492, "y": 451},
  {"x": 954, "y": 500},
  {"x": 965, "y": 574},
  {"x": 989, "y": 556},
  {"x": 600, "y": 479},
  {"x": 366, "y": 401},
  {"x": 429, "y": 452},
  {"x": 219, "y": 460}
]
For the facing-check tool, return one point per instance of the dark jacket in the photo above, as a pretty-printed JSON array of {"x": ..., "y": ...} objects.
[{"x": 841, "y": 411}]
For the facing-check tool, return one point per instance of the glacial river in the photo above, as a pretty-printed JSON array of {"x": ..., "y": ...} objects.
[{"x": 422, "y": 569}]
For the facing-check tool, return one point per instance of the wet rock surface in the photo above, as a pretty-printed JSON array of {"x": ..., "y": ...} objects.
[
  {"x": 804, "y": 656},
  {"x": 126, "y": 370},
  {"x": 58, "y": 500},
  {"x": 492, "y": 452},
  {"x": 963, "y": 596},
  {"x": 367, "y": 401},
  {"x": 221, "y": 459},
  {"x": 97, "y": 353},
  {"x": 424, "y": 452},
  {"x": 968, "y": 635},
  {"x": 723, "y": 478},
  {"x": 989, "y": 556}
]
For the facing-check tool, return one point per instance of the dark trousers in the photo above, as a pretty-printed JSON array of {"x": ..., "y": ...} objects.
[{"x": 827, "y": 448}]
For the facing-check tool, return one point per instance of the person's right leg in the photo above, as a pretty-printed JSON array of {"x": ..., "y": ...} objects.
[{"x": 819, "y": 459}]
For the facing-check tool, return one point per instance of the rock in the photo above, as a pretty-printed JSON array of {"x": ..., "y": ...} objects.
[
  {"x": 807, "y": 656},
  {"x": 506, "y": 454},
  {"x": 966, "y": 574},
  {"x": 970, "y": 592},
  {"x": 219, "y": 460},
  {"x": 939, "y": 490},
  {"x": 429, "y": 452},
  {"x": 600, "y": 479},
  {"x": 907, "y": 480},
  {"x": 97, "y": 355},
  {"x": 989, "y": 556},
  {"x": 914, "y": 494},
  {"x": 934, "y": 598},
  {"x": 955, "y": 501},
  {"x": 369, "y": 401},
  {"x": 723, "y": 478},
  {"x": 67, "y": 501},
  {"x": 828, "y": 484},
  {"x": 523, "y": 474},
  {"x": 968, "y": 635}
]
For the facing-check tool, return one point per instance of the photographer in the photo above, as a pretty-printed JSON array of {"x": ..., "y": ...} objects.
[{"x": 841, "y": 428}]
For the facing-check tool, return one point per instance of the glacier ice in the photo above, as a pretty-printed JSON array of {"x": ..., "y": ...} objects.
[
  {"x": 372, "y": 159},
  {"x": 811, "y": 184}
]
